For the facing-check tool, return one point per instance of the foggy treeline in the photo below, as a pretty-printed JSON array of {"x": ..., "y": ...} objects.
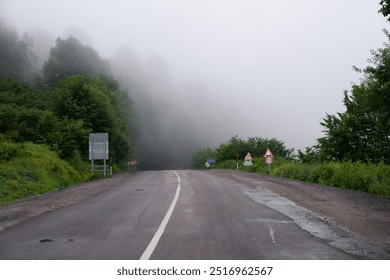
[
  {"x": 174, "y": 120},
  {"x": 170, "y": 120}
]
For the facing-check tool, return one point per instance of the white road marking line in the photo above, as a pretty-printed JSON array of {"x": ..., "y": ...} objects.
[
  {"x": 271, "y": 233},
  {"x": 153, "y": 244}
]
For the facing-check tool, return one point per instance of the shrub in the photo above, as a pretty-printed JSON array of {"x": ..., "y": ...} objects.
[
  {"x": 366, "y": 177},
  {"x": 31, "y": 169}
]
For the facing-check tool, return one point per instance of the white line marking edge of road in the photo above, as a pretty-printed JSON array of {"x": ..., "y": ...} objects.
[{"x": 153, "y": 243}]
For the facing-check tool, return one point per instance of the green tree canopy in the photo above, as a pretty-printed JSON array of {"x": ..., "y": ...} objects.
[
  {"x": 25, "y": 115},
  {"x": 199, "y": 159},
  {"x": 63, "y": 117},
  {"x": 17, "y": 60},
  {"x": 100, "y": 105},
  {"x": 257, "y": 146},
  {"x": 385, "y": 8},
  {"x": 362, "y": 132},
  {"x": 69, "y": 57}
]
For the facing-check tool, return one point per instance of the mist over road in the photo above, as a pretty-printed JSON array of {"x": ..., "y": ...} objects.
[{"x": 207, "y": 215}]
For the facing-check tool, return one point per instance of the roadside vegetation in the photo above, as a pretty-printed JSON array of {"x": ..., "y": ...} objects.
[
  {"x": 366, "y": 177},
  {"x": 47, "y": 113},
  {"x": 361, "y": 176},
  {"x": 31, "y": 169},
  {"x": 355, "y": 151}
]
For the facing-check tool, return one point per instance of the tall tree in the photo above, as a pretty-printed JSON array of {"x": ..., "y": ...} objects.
[
  {"x": 199, "y": 159},
  {"x": 385, "y": 8},
  {"x": 236, "y": 147},
  {"x": 69, "y": 57},
  {"x": 25, "y": 115},
  {"x": 17, "y": 60},
  {"x": 100, "y": 105},
  {"x": 362, "y": 132}
]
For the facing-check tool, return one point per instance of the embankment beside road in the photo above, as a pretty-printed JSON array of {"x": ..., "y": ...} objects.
[{"x": 29, "y": 169}]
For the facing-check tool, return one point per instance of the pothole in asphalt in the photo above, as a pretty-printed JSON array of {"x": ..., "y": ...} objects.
[{"x": 46, "y": 240}]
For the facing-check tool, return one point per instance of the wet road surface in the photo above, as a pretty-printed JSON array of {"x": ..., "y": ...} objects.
[{"x": 207, "y": 216}]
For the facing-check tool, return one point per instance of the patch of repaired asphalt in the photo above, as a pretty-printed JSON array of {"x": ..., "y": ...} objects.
[{"x": 316, "y": 225}]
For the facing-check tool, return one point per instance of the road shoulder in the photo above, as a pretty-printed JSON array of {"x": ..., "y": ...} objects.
[
  {"x": 16, "y": 212},
  {"x": 365, "y": 214}
]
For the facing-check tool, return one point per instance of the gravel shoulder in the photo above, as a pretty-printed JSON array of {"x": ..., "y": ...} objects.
[
  {"x": 16, "y": 212},
  {"x": 367, "y": 215}
]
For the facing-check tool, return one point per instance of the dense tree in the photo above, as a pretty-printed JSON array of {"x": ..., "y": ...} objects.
[
  {"x": 199, "y": 159},
  {"x": 63, "y": 117},
  {"x": 238, "y": 148},
  {"x": 310, "y": 155},
  {"x": 21, "y": 94},
  {"x": 17, "y": 60},
  {"x": 100, "y": 105},
  {"x": 362, "y": 132},
  {"x": 69, "y": 57},
  {"x": 25, "y": 115},
  {"x": 385, "y": 8}
]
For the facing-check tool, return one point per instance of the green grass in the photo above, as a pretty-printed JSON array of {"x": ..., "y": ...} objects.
[
  {"x": 30, "y": 169},
  {"x": 365, "y": 177},
  {"x": 258, "y": 166}
]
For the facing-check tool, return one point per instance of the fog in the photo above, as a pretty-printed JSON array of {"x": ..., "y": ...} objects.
[{"x": 210, "y": 70}]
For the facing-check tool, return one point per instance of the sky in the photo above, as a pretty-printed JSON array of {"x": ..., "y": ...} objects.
[{"x": 250, "y": 68}]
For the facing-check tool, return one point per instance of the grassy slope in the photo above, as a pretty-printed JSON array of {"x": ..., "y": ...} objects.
[{"x": 31, "y": 169}]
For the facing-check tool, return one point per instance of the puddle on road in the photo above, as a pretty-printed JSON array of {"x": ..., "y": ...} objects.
[{"x": 318, "y": 226}]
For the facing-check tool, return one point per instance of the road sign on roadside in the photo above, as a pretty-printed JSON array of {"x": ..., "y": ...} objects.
[
  {"x": 98, "y": 150},
  {"x": 268, "y": 154},
  {"x": 98, "y": 146},
  {"x": 248, "y": 159},
  {"x": 269, "y": 158}
]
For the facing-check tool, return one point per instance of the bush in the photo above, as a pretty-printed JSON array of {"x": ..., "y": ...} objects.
[
  {"x": 292, "y": 170},
  {"x": 30, "y": 169},
  {"x": 258, "y": 165},
  {"x": 366, "y": 177},
  {"x": 227, "y": 164}
]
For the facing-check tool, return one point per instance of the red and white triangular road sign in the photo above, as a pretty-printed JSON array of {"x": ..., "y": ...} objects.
[
  {"x": 268, "y": 154},
  {"x": 248, "y": 157}
]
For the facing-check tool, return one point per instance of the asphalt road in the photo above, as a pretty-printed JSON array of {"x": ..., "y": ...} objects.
[{"x": 207, "y": 216}]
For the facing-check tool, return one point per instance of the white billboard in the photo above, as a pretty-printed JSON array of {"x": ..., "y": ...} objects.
[{"x": 98, "y": 146}]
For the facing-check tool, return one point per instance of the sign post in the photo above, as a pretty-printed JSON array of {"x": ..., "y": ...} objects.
[
  {"x": 98, "y": 149},
  {"x": 269, "y": 158}
]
